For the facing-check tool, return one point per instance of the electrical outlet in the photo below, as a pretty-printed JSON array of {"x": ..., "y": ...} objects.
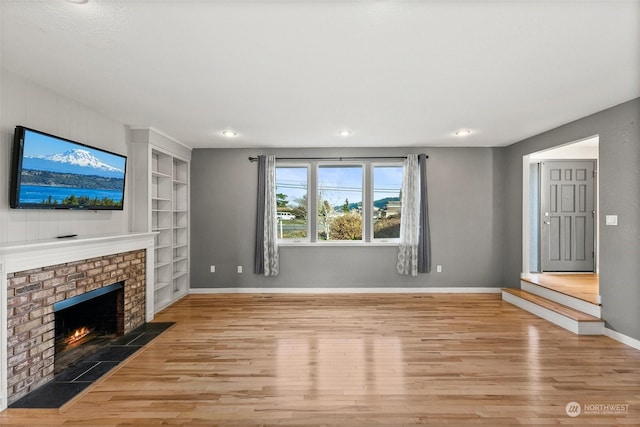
[
  {"x": 213, "y": 268},
  {"x": 239, "y": 269},
  {"x": 438, "y": 269}
]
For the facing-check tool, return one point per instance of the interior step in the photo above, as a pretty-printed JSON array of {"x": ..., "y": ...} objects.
[
  {"x": 574, "y": 320},
  {"x": 561, "y": 298}
]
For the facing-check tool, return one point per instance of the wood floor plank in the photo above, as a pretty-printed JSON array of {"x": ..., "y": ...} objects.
[{"x": 345, "y": 360}]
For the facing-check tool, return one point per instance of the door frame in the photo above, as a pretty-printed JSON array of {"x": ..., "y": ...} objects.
[{"x": 526, "y": 181}]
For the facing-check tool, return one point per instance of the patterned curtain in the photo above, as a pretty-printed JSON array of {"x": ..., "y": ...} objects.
[
  {"x": 410, "y": 214},
  {"x": 271, "y": 257}
]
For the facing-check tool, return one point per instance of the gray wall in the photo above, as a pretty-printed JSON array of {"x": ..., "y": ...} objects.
[
  {"x": 619, "y": 169},
  {"x": 466, "y": 190}
]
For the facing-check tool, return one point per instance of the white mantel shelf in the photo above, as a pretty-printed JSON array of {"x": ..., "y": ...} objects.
[
  {"x": 27, "y": 255},
  {"x": 19, "y": 256}
]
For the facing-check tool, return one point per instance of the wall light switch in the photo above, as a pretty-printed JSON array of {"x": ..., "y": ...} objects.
[
  {"x": 239, "y": 269},
  {"x": 438, "y": 269},
  {"x": 611, "y": 219},
  {"x": 213, "y": 268}
]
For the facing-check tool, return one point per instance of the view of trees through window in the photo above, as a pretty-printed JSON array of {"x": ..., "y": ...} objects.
[
  {"x": 292, "y": 203},
  {"x": 387, "y": 196},
  {"x": 339, "y": 201}
]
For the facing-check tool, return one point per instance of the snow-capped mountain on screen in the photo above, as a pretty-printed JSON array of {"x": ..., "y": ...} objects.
[{"x": 78, "y": 161}]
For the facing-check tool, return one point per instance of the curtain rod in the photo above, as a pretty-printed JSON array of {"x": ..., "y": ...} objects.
[{"x": 255, "y": 159}]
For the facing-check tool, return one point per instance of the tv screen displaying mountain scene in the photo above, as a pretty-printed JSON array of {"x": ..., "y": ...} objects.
[{"x": 49, "y": 172}]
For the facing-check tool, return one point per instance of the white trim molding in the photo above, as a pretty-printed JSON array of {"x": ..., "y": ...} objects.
[
  {"x": 369, "y": 290},
  {"x": 624, "y": 339}
]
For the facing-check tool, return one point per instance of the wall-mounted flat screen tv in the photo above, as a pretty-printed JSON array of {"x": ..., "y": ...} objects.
[{"x": 49, "y": 172}]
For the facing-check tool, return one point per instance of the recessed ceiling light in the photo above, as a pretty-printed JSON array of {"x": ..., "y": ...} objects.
[
  {"x": 229, "y": 133},
  {"x": 78, "y": 1},
  {"x": 345, "y": 132},
  {"x": 463, "y": 132}
]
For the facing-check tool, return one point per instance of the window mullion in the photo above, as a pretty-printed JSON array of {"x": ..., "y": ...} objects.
[{"x": 312, "y": 198}]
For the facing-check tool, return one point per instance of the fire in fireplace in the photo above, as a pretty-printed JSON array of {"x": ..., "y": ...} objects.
[{"x": 87, "y": 322}]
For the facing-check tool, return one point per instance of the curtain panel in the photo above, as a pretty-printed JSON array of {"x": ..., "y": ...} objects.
[
  {"x": 410, "y": 215},
  {"x": 424, "y": 236},
  {"x": 414, "y": 250},
  {"x": 267, "y": 259}
]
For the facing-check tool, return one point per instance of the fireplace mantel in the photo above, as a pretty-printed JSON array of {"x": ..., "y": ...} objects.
[
  {"x": 21, "y": 256},
  {"x": 17, "y": 256}
]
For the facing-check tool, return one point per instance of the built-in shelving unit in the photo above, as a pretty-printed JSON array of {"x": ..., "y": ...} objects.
[
  {"x": 170, "y": 219},
  {"x": 162, "y": 207}
]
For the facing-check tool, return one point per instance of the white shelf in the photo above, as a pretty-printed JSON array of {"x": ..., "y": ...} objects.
[
  {"x": 161, "y": 285},
  {"x": 179, "y": 274},
  {"x": 160, "y": 174}
]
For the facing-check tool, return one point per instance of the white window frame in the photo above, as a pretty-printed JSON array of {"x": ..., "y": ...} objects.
[
  {"x": 300, "y": 165},
  {"x": 363, "y": 166},
  {"x": 312, "y": 204},
  {"x": 373, "y": 165}
]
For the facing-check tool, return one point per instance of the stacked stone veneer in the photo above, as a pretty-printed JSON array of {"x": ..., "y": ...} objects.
[{"x": 30, "y": 317}]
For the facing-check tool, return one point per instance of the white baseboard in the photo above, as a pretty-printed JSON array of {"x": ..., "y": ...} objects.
[
  {"x": 465, "y": 290},
  {"x": 624, "y": 339}
]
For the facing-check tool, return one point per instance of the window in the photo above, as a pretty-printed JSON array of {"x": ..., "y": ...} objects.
[
  {"x": 387, "y": 196},
  {"x": 352, "y": 202},
  {"x": 340, "y": 190},
  {"x": 292, "y": 202}
]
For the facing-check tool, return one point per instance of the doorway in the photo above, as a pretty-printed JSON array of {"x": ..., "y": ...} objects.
[{"x": 534, "y": 217}]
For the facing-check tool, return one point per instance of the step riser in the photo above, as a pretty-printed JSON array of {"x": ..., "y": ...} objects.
[
  {"x": 580, "y": 328},
  {"x": 560, "y": 298}
]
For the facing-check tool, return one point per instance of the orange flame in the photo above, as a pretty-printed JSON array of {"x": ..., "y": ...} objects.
[{"x": 77, "y": 335}]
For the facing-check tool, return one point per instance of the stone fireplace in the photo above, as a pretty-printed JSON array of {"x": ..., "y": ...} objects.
[{"x": 34, "y": 294}]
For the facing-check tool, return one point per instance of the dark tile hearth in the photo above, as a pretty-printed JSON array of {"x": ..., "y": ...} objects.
[{"x": 71, "y": 381}]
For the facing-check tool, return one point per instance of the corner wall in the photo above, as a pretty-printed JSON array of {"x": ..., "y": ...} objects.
[
  {"x": 619, "y": 172},
  {"x": 466, "y": 209}
]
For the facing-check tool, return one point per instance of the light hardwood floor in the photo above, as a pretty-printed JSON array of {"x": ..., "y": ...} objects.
[{"x": 388, "y": 360}]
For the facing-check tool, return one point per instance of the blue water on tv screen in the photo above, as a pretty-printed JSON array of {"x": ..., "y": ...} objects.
[{"x": 62, "y": 174}]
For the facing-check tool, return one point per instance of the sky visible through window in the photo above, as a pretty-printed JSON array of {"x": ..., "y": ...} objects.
[
  {"x": 339, "y": 183},
  {"x": 291, "y": 181}
]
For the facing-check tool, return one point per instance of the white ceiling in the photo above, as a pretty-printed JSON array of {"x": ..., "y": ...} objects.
[{"x": 294, "y": 73}]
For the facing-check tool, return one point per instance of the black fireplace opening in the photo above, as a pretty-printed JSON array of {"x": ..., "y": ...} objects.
[{"x": 86, "y": 323}]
